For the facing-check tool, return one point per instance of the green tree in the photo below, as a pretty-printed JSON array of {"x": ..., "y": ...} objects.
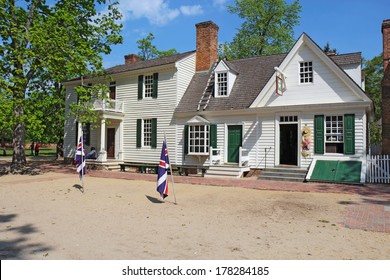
[
  {"x": 373, "y": 70},
  {"x": 5, "y": 120},
  {"x": 54, "y": 40},
  {"x": 149, "y": 51},
  {"x": 328, "y": 50},
  {"x": 267, "y": 28},
  {"x": 46, "y": 115}
]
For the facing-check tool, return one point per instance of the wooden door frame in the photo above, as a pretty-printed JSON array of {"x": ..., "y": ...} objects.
[
  {"x": 297, "y": 142},
  {"x": 227, "y": 139},
  {"x": 107, "y": 143}
]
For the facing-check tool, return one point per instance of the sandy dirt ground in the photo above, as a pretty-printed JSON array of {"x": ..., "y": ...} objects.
[{"x": 49, "y": 217}]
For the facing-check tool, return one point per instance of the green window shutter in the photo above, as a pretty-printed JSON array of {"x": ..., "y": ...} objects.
[
  {"x": 319, "y": 134},
  {"x": 87, "y": 134},
  {"x": 140, "y": 87},
  {"x": 185, "y": 139},
  {"x": 139, "y": 133},
  {"x": 155, "y": 85},
  {"x": 154, "y": 133},
  {"x": 213, "y": 135},
  {"x": 349, "y": 134}
]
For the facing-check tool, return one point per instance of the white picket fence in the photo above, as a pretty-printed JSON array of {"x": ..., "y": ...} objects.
[{"x": 378, "y": 169}]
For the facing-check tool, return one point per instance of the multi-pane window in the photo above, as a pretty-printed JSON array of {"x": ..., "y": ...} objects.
[
  {"x": 112, "y": 90},
  {"x": 222, "y": 84},
  {"x": 334, "y": 134},
  {"x": 306, "y": 72},
  {"x": 288, "y": 118},
  {"x": 148, "y": 86},
  {"x": 198, "y": 136},
  {"x": 147, "y": 135}
]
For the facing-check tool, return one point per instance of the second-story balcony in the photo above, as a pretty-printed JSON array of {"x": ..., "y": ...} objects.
[{"x": 108, "y": 105}]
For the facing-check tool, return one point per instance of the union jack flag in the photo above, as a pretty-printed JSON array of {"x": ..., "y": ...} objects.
[
  {"x": 79, "y": 158},
  {"x": 162, "y": 178}
]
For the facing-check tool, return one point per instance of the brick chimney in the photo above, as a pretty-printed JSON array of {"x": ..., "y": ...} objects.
[
  {"x": 131, "y": 58},
  {"x": 386, "y": 88},
  {"x": 206, "y": 45}
]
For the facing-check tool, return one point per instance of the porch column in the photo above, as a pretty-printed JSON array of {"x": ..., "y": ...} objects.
[
  {"x": 121, "y": 140},
  {"x": 102, "y": 153}
]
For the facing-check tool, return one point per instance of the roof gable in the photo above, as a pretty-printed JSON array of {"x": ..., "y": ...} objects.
[{"x": 306, "y": 49}]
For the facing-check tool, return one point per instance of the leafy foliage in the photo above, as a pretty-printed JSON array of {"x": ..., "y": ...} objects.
[
  {"x": 328, "y": 50},
  {"x": 267, "y": 28},
  {"x": 149, "y": 51},
  {"x": 43, "y": 43},
  {"x": 373, "y": 70}
]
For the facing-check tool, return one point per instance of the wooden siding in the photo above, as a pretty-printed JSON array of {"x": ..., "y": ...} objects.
[
  {"x": 355, "y": 72},
  {"x": 161, "y": 108},
  {"x": 327, "y": 87},
  {"x": 260, "y": 133}
]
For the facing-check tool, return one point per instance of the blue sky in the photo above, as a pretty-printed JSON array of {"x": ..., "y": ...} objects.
[{"x": 348, "y": 25}]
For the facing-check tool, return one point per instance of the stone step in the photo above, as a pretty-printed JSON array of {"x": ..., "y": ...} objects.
[
  {"x": 225, "y": 171},
  {"x": 283, "y": 174},
  {"x": 109, "y": 165}
]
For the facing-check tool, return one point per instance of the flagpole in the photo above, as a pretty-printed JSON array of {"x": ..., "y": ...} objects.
[
  {"x": 170, "y": 168},
  {"x": 82, "y": 158}
]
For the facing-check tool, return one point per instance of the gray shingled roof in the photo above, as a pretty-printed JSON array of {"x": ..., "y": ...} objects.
[
  {"x": 253, "y": 74},
  {"x": 349, "y": 58},
  {"x": 148, "y": 63},
  {"x": 143, "y": 64}
]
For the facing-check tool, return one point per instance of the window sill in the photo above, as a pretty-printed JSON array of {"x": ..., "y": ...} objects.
[{"x": 198, "y": 154}]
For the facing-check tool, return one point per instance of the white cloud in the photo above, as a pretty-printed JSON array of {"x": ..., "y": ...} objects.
[
  {"x": 191, "y": 10},
  {"x": 156, "y": 11},
  {"x": 219, "y": 3}
]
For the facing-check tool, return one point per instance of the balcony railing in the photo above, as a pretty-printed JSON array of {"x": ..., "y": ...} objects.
[{"x": 111, "y": 105}]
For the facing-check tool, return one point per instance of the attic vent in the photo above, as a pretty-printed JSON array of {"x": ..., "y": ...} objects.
[{"x": 209, "y": 90}]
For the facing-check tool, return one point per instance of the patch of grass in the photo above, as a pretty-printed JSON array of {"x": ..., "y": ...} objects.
[{"x": 42, "y": 152}]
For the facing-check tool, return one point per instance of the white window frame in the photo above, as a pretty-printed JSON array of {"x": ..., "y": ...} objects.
[
  {"x": 147, "y": 132},
  {"x": 112, "y": 88},
  {"x": 198, "y": 139},
  {"x": 148, "y": 86},
  {"x": 306, "y": 72},
  {"x": 334, "y": 131},
  {"x": 222, "y": 87}
]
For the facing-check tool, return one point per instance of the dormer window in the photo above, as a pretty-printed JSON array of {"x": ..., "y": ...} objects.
[
  {"x": 222, "y": 84},
  {"x": 224, "y": 78}
]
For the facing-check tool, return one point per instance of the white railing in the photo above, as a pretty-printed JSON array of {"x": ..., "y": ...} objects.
[
  {"x": 109, "y": 105},
  {"x": 378, "y": 169},
  {"x": 243, "y": 157},
  {"x": 215, "y": 155}
]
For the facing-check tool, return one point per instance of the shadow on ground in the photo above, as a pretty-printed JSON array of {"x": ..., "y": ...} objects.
[{"x": 20, "y": 247}]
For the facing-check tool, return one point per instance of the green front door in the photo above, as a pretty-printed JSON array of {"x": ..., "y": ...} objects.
[{"x": 234, "y": 142}]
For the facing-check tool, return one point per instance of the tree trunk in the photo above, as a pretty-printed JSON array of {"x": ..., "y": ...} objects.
[{"x": 19, "y": 155}]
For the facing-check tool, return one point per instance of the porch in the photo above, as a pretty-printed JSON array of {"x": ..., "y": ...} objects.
[
  {"x": 110, "y": 164},
  {"x": 109, "y": 137},
  {"x": 220, "y": 169}
]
